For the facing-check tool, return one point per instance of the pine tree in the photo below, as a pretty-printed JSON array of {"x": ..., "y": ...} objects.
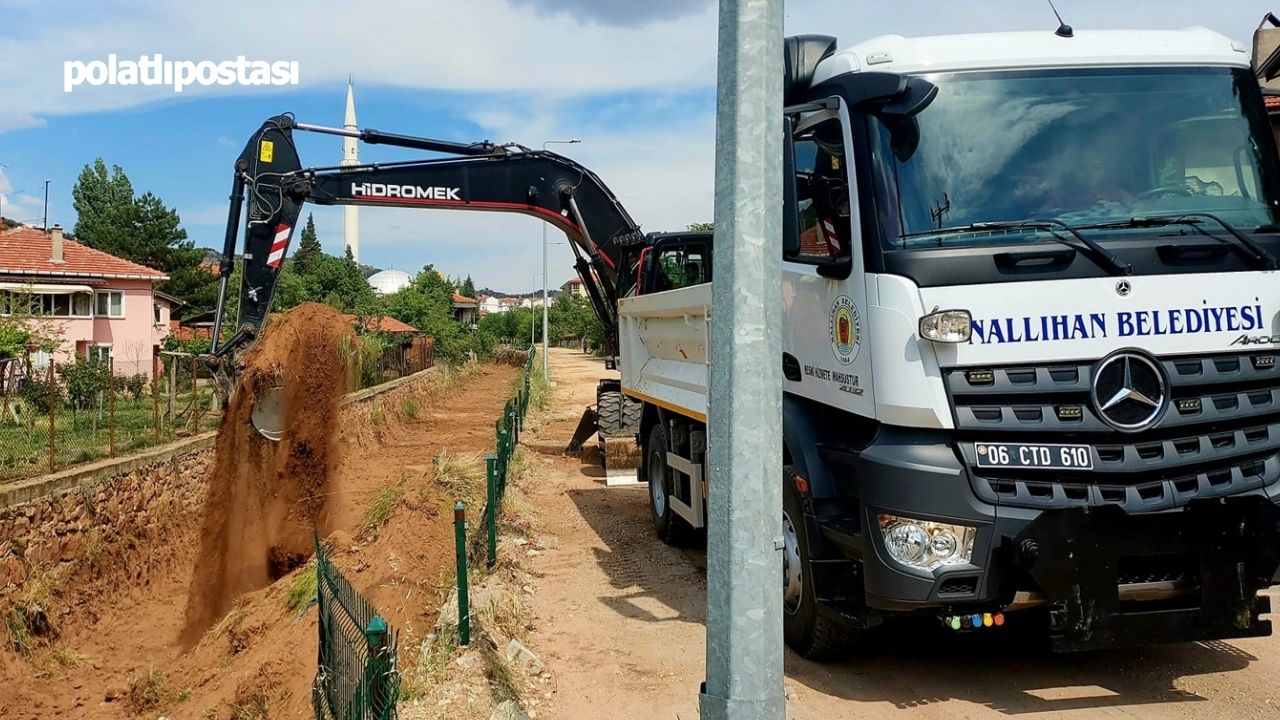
[
  {"x": 308, "y": 247},
  {"x": 468, "y": 288}
]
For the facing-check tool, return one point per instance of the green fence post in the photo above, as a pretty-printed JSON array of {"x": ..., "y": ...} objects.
[
  {"x": 460, "y": 538},
  {"x": 491, "y": 509},
  {"x": 377, "y": 670}
]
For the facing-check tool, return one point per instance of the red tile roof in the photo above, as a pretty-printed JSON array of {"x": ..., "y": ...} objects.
[
  {"x": 464, "y": 300},
  {"x": 25, "y": 251}
]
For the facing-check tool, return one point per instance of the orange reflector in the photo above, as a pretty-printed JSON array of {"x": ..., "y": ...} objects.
[
  {"x": 998, "y": 619},
  {"x": 802, "y": 484}
]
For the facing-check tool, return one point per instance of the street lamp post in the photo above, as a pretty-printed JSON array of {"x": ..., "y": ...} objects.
[{"x": 546, "y": 368}]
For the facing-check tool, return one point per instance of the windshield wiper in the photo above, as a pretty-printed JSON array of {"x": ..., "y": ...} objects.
[
  {"x": 1094, "y": 251},
  {"x": 1242, "y": 242}
]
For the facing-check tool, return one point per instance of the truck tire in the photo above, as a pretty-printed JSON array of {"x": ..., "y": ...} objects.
[
  {"x": 806, "y": 629},
  {"x": 618, "y": 415},
  {"x": 671, "y": 528}
]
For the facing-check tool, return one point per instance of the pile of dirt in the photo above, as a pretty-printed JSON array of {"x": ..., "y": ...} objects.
[{"x": 264, "y": 498}]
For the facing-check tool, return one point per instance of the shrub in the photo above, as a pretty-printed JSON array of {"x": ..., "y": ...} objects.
[
  {"x": 85, "y": 378},
  {"x": 36, "y": 392}
]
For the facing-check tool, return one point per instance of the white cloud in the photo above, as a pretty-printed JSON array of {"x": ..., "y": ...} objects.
[{"x": 20, "y": 206}]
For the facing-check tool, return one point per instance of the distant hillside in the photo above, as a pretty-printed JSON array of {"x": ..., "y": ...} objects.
[{"x": 499, "y": 294}]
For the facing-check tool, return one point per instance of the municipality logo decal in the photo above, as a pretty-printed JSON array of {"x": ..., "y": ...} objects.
[{"x": 846, "y": 330}]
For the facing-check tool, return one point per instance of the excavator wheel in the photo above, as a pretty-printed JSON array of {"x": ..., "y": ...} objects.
[{"x": 619, "y": 415}]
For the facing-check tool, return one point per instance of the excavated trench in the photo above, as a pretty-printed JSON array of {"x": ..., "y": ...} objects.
[{"x": 186, "y": 612}]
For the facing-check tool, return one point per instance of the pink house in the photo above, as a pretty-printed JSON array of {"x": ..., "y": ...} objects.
[{"x": 105, "y": 306}]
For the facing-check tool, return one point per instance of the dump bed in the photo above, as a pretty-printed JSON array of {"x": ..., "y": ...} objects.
[{"x": 663, "y": 342}]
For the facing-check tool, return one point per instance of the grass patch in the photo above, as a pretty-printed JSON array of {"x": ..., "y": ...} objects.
[
  {"x": 252, "y": 704},
  {"x": 30, "y": 618},
  {"x": 149, "y": 692},
  {"x": 502, "y": 681},
  {"x": 66, "y": 657},
  {"x": 461, "y": 474},
  {"x": 433, "y": 662},
  {"x": 379, "y": 510},
  {"x": 409, "y": 408},
  {"x": 302, "y": 590},
  {"x": 539, "y": 390}
]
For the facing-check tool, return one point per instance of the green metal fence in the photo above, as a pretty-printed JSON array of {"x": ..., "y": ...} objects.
[
  {"x": 497, "y": 468},
  {"x": 356, "y": 677}
]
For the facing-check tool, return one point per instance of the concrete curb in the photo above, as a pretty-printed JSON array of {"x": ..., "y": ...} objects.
[{"x": 42, "y": 486}]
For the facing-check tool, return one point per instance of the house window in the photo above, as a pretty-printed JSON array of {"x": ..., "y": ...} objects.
[
  {"x": 101, "y": 353},
  {"x": 48, "y": 305},
  {"x": 110, "y": 304},
  {"x": 158, "y": 311}
]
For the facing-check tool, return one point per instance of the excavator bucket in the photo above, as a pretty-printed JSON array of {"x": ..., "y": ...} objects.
[
  {"x": 268, "y": 414},
  {"x": 587, "y": 427}
]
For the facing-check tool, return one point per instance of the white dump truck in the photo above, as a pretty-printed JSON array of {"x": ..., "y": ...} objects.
[{"x": 1030, "y": 342}]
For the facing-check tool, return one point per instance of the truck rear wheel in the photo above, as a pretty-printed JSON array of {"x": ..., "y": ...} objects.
[
  {"x": 617, "y": 414},
  {"x": 806, "y": 629},
  {"x": 671, "y": 528}
]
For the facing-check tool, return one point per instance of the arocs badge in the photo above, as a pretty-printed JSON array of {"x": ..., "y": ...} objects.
[{"x": 846, "y": 330}]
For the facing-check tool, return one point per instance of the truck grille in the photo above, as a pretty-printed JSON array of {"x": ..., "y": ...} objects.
[{"x": 1219, "y": 436}]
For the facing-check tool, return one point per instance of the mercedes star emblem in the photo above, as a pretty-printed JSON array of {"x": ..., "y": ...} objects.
[
  {"x": 1123, "y": 288},
  {"x": 1129, "y": 391}
]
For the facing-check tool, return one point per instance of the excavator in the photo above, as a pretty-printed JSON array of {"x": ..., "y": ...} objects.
[{"x": 271, "y": 181}]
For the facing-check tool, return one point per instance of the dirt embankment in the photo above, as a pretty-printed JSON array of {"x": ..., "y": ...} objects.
[{"x": 263, "y": 497}]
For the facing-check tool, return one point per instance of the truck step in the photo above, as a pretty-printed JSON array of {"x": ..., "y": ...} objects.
[{"x": 844, "y": 533}]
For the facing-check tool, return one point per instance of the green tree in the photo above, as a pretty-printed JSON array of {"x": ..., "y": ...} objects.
[
  {"x": 104, "y": 207},
  {"x": 468, "y": 288},
  {"x": 702, "y": 227},
  {"x": 338, "y": 282},
  {"x": 142, "y": 229},
  {"x": 308, "y": 246},
  {"x": 161, "y": 243}
]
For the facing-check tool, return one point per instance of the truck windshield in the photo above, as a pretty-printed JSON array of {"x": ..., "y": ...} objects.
[{"x": 1078, "y": 146}]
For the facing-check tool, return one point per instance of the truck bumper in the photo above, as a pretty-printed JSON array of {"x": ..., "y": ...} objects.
[
  {"x": 1076, "y": 561},
  {"x": 1225, "y": 549}
]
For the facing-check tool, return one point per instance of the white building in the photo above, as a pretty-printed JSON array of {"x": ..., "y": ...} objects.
[
  {"x": 491, "y": 305},
  {"x": 389, "y": 281}
]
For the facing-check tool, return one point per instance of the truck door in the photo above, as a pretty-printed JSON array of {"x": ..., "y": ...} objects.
[{"x": 823, "y": 288}]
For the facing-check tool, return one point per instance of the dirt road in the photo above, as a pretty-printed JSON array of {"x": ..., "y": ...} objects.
[{"x": 620, "y": 621}]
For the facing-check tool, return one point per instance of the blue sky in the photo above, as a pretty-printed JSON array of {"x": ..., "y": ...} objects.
[{"x": 634, "y": 81}]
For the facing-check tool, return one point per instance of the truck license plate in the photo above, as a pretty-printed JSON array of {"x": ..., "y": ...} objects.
[{"x": 1023, "y": 455}]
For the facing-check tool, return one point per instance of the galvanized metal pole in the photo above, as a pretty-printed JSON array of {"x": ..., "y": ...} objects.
[
  {"x": 545, "y": 368},
  {"x": 744, "y": 534}
]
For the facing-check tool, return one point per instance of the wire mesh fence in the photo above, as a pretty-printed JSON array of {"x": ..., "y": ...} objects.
[
  {"x": 356, "y": 675},
  {"x": 64, "y": 413},
  {"x": 54, "y": 414},
  {"x": 497, "y": 471}
]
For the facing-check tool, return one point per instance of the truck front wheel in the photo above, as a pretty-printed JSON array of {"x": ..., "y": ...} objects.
[{"x": 806, "y": 629}]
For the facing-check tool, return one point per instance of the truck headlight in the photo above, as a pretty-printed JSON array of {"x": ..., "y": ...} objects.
[
  {"x": 947, "y": 326},
  {"x": 925, "y": 544}
]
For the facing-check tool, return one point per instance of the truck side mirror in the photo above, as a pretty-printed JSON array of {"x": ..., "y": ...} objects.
[{"x": 790, "y": 214}]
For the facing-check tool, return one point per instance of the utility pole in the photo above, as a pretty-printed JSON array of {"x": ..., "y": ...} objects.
[
  {"x": 532, "y": 325},
  {"x": 744, "y": 528},
  {"x": 46, "y": 205},
  {"x": 546, "y": 366}
]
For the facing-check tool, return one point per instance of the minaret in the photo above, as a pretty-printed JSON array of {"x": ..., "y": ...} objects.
[{"x": 351, "y": 156}]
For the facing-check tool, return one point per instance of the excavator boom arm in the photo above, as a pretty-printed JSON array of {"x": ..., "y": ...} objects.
[{"x": 485, "y": 178}]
